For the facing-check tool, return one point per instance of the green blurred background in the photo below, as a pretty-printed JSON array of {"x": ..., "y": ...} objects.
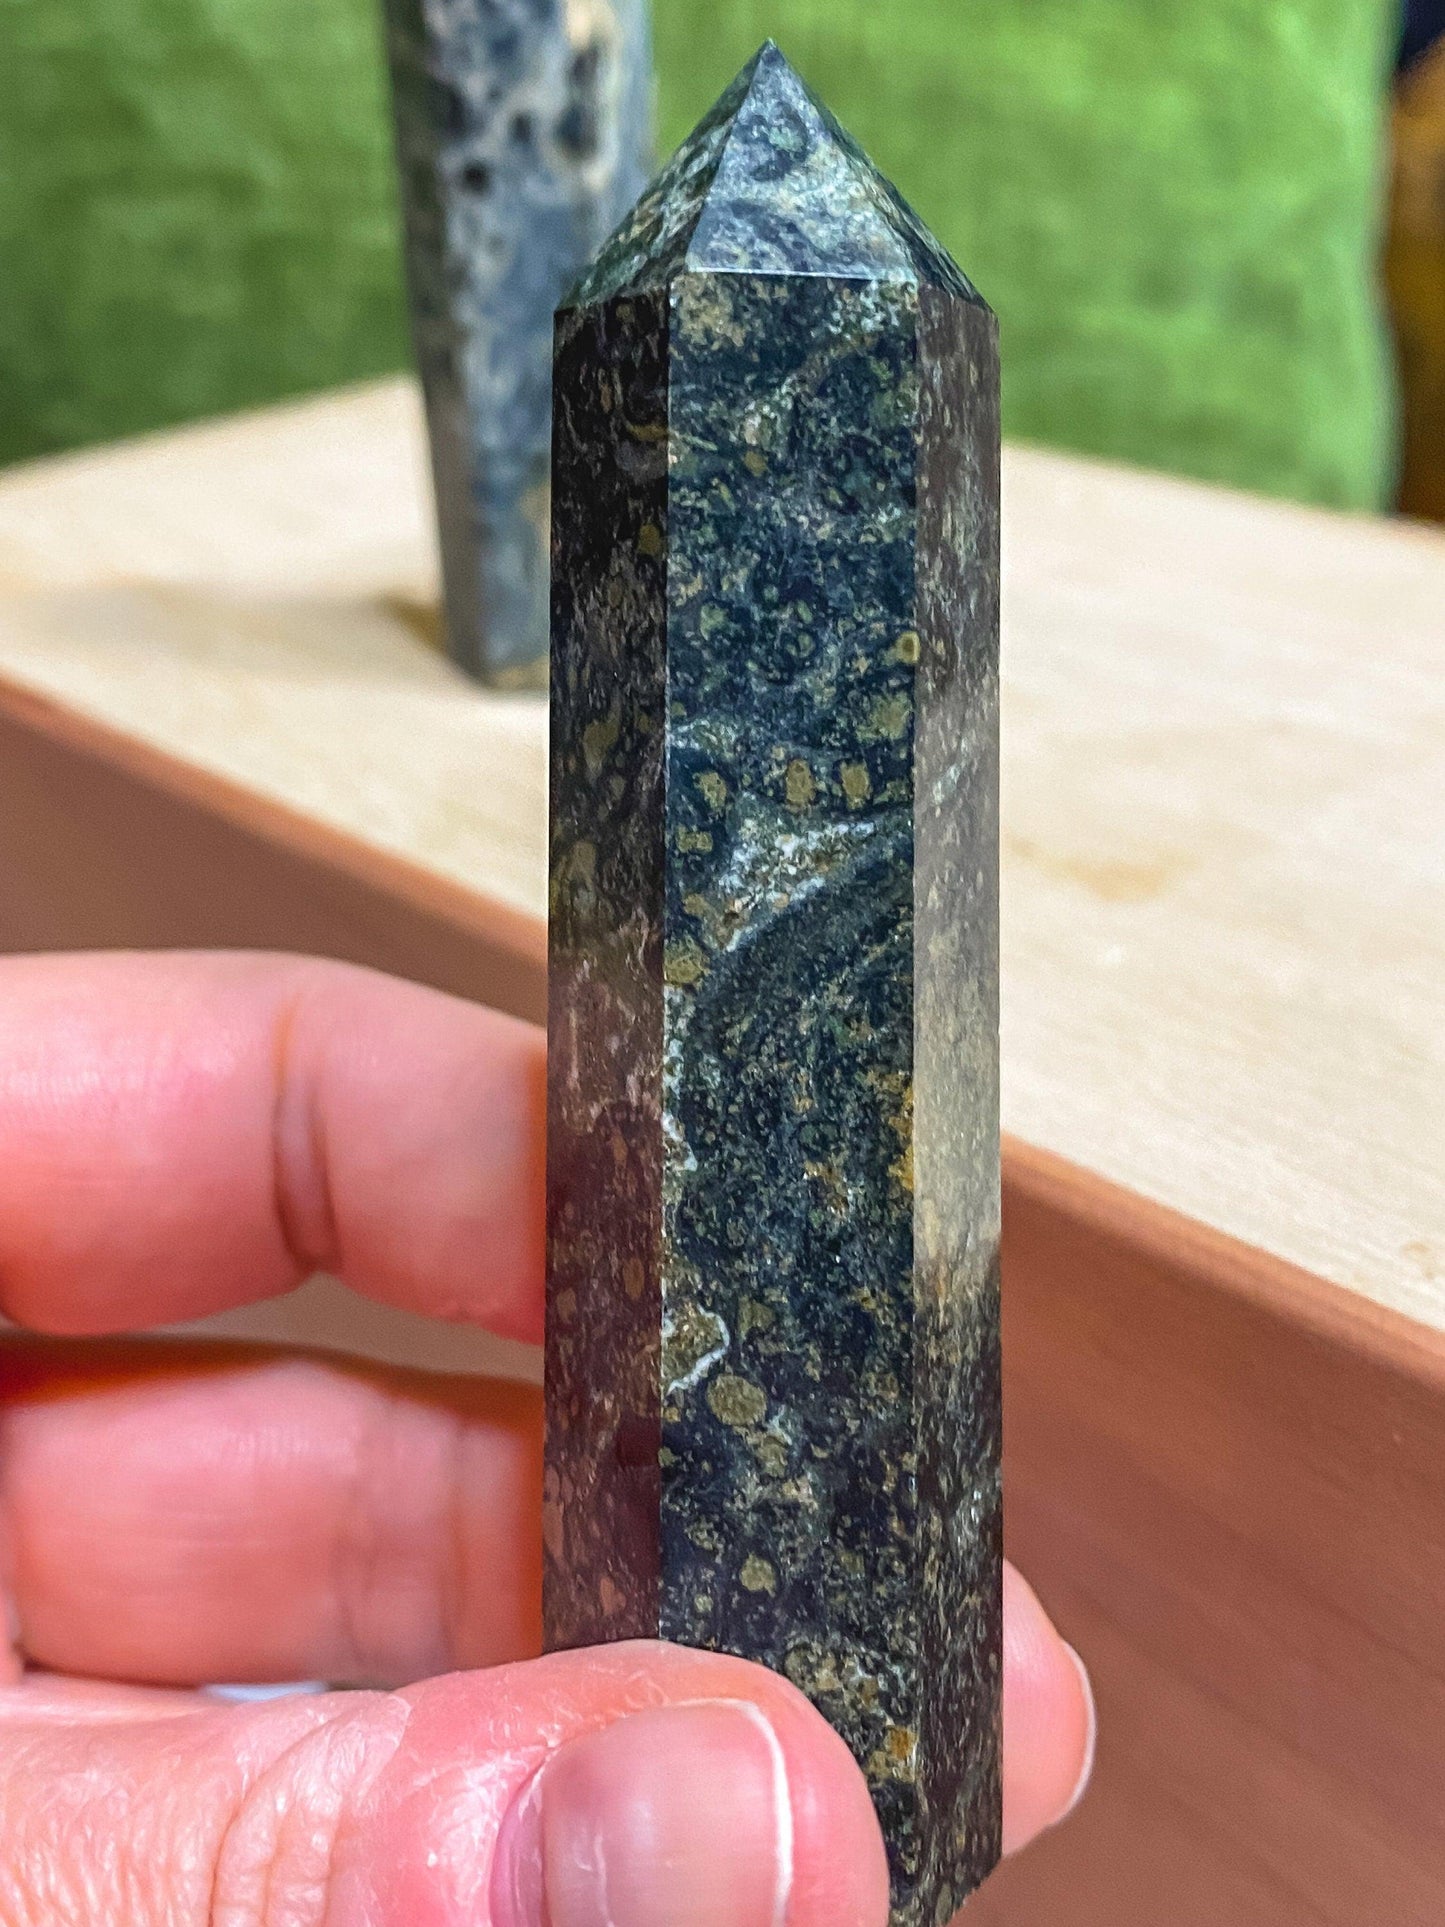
[{"x": 1173, "y": 204}]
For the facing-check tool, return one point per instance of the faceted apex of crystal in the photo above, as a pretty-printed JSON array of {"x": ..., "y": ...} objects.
[{"x": 769, "y": 183}]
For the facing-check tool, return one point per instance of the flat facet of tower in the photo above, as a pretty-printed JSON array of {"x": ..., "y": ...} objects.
[{"x": 773, "y": 1189}]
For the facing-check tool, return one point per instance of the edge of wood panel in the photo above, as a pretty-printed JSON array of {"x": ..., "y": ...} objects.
[
  {"x": 1170, "y": 1243},
  {"x": 493, "y": 923},
  {"x": 1226, "y": 1477},
  {"x": 1218, "y": 1261},
  {"x": 111, "y": 842}
]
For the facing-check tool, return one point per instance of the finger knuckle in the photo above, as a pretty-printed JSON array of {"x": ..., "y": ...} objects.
[{"x": 277, "y": 1858}]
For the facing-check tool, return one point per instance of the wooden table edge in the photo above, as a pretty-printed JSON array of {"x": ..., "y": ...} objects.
[{"x": 509, "y": 950}]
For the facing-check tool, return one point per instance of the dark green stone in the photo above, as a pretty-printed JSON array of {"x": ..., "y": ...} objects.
[{"x": 773, "y": 1349}]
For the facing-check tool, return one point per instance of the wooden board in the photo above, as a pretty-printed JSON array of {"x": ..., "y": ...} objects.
[
  {"x": 106, "y": 843},
  {"x": 1224, "y": 920},
  {"x": 1228, "y": 1482},
  {"x": 1226, "y": 827}
]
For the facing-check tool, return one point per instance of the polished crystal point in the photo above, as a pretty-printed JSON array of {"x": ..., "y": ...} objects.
[
  {"x": 523, "y": 133},
  {"x": 773, "y": 1341},
  {"x": 769, "y": 183}
]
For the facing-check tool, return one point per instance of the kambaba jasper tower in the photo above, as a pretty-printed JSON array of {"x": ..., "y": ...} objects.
[{"x": 773, "y": 1420}]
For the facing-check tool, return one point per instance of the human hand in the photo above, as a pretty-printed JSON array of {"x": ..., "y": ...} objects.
[{"x": 183, "y": 1134}]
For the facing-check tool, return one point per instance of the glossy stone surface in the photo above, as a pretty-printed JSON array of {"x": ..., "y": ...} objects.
[
  {"x": 523, "y": 134},
  {"x": 773, "y": 1352}
]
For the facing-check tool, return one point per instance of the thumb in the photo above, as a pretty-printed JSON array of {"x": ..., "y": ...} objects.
[{"x": 636, "y": 1786}]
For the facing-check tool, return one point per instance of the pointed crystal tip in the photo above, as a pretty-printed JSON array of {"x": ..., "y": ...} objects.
[{"x": 769, "y": 183}]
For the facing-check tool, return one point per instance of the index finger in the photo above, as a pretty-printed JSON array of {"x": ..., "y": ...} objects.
[{"x": 184, "y": 1133}]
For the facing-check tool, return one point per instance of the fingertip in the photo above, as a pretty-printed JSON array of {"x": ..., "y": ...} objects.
[
  {"x": 1050, "y": 1724},
  {"x": 663, "y": 1758},
  {"x": 676, "y": 1812}
]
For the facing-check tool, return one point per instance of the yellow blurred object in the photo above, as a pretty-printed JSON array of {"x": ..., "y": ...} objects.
[{"x": 1415, "y": 270}]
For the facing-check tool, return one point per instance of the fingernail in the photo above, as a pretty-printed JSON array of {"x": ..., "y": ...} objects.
[
  {"x": 1091, "y": 1739},
  {"x": 680, "y": 1813},
  {"x": 252, "y": 1695}
]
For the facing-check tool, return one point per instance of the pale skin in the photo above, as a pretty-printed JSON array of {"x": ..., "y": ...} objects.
[{"x": 182, "y": 1134}]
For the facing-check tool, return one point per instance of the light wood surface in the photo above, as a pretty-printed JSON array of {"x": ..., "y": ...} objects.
[{"x": 1224, "y": 934}]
